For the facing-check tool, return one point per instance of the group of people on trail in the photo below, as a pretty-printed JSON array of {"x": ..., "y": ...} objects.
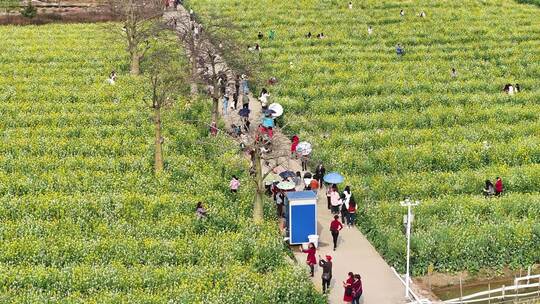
[
  {"x": 493, "y": 190},
  {"x": 352, "y": 285},
  {"x": 343, "y": 204}
]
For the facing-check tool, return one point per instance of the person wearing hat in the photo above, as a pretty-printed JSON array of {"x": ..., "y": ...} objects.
[{"x": 327, "y": 272}]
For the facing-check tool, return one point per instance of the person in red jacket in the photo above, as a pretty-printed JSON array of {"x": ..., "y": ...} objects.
[
  {"x": 348, "y": 285},
  {"x": 335, "y": 227},
  {"x": 311, "y": 260},
  {"x": 294, "y": 143},
  {"x": 357, "y": 289},
  {"x": 498, "y": 187}
]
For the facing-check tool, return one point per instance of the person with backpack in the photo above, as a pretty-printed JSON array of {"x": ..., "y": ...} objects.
[
  {"x": 347, "y": 297},
  {"x": 335, "y": 228},
  {"x": 327, "y": 272},
  {"x": 356, "y": 289}
]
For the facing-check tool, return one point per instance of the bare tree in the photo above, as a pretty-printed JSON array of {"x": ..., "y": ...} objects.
[
  {"x": 140, "y": 20},
  {"x": 263, "y": 155},
  {"x": 214, "y": 56},
  {"x": 166, "y": 78}
]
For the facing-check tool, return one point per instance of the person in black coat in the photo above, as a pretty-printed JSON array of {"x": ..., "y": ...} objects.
[{"x": 319, "y": 173}]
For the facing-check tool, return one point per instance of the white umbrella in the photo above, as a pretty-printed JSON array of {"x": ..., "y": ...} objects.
[
  {"x": 304, "y": 148},
  {"x": 277, "y": 108}
]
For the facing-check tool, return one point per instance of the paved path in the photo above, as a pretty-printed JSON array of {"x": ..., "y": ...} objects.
[{"x": 354, "y": 252}]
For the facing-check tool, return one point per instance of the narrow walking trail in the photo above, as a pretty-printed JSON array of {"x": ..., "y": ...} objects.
[{"x": 354, "y": 252}]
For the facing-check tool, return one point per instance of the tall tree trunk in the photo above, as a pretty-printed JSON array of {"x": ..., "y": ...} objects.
[
  {"x": 215, "y": 109},
  {"x": 158, "y": 162},
  {"x": 193, "y": 85},
  {"x": 135, "y": 64},
  {"x": 258, "y": 199}
]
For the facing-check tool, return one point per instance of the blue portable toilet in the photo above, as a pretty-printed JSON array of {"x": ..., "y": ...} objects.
[{"x": 301, "y": 216}]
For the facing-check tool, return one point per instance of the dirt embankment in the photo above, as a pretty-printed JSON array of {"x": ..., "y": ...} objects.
[{"x": 55, "y": 11}]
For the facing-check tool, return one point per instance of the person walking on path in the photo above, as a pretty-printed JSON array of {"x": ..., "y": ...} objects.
[
  {"x": 234, "y": 184},
  {"x": 344, "y": 210},
  {"x": 351, "y": 218},
  {"x": 244, "y": 84},
  {"x": 294, "y": 143},
  {"x": 314, "y": 185},
  {"x": 304, "y": 158},
  {"x": 335, "y": 200},
  {"x": 498, "y": 187},
  {"x": 335, "y": 228},
  {"x": 225, "y": 104},
  {"x": 347, "y": 297},
  {"x": 320, "y": 172},
  {"x": 328, "y": 197},
  {"x": 311, "y": 260},
  {"x": 327, "y": 272},
  {"x": 357, "y": 289},
  {"x": 280, "y": 202}
]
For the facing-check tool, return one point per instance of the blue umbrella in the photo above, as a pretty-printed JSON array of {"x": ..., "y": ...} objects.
[
  {"x": 268, "y": 122},
  {"x": 244, "y": 112},
  {"x": 333, "y": 178},
  {"x": 286, "y": 174}
]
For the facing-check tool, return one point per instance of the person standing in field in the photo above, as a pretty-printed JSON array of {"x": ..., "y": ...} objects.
[
  {"x": 347, "y": 297},
  {"x": 311, "y": 260},
  {"x": 327, "y": 272},
  {"x": 489, "y": 190},
  {"x": 271, "y": 34},
  {"x": 234, "y": 184},
  {"x": 399, "y": 50},
  {"x": 453, "y": 73},
  {"x": 350, "y": 4},
  {"x": 200, "y": 211},
  {"x": 213, "y": 128},
  {"x": 402, "y": 13},
  {"x": 369, "y": 30},
  {"x": 112, "y": 78},
  {"x": 335, "y": 228},
  {"x": 498, "y": 187}
]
